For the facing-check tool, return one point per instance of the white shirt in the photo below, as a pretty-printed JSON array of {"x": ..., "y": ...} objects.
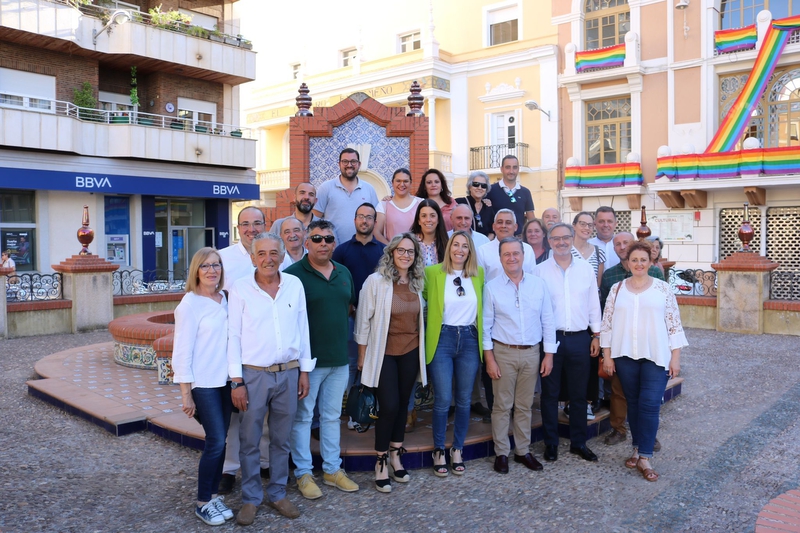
[
  {"x": 576, "y": 303},
  {"x": 201, "y": 342},
  {"x": 489, "y": 259},
  {"x": 263, "y": 331},
  {"x": 608, "y": 247},
  {"x": 518, "y": 316},
  {"x": 288, "y": 261},
  {"x": 459, "y": 310},
  {"x": 9, "y": 263},
  {"x": 236, "y": 264},
  {"x": 478, "y": 239}
]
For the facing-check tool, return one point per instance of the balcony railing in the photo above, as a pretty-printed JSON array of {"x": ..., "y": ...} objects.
[
  {"x": 273, "y": 180},
  {"x": 33, "y": 287},
  {"x": 693, "y": 282},
  {"x": 488, "y": 157},
  {"x": 135, "y": 282},
  {"x": 784, "y": 286},
  {"x": 57, "y": 107},
  {"x": 442, "y": 161}
]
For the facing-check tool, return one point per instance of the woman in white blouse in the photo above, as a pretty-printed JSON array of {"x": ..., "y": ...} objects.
[
  {"x": 641, "y": 339},
  {"x": 200, "y": 365}
]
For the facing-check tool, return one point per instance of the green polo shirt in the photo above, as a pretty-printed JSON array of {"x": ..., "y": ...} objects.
[{"x": 328, "y": 303}]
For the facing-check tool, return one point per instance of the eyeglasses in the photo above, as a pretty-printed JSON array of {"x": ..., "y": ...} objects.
[
  {"x": 403, "y": 251},
  {"x": 460, "y": 290},
  {"x": 583, "y": 224},
  {"x": 348, "y": 162},
  {"x": 316, "y": 239},
  {"x": 205, "y": 267},
  {"x": 480, "y": 185},
  {"x": 365, "y": 217},
  {"x": 565, "y": 238},
  {"x": 248, "y": 225}
]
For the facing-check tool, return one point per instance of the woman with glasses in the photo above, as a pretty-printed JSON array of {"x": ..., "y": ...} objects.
[
  {"x": 433, "y": 186},
  {"x": 395, "y": 214},
  {"x": 390, "y": 333},
  {"x": 454, "y": 292},
  {"x": 430, "y": 231},
  {"x": 583, "y": 223},
  {"x": 482, "y": 210},
  {"x": 200, "y": 365},
  {"x": 534, "y": 234}
]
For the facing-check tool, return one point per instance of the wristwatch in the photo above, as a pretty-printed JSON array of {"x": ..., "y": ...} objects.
[{"x": 235, "y": 385}]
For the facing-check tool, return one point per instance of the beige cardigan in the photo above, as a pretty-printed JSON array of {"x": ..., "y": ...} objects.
[{"x": 372, "y": 328}]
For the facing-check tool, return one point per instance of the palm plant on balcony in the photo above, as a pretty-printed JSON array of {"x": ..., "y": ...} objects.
[{"x": 86, "y": 102}]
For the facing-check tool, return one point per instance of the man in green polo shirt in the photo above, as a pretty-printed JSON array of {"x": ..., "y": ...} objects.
[{"x": 330, "y": 295}]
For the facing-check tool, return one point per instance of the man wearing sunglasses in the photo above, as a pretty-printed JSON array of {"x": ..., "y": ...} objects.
[
  {"x": 330, "y": 296},
  {"x": 509, "y": 194},
  {"x": 338, "y": 198}
]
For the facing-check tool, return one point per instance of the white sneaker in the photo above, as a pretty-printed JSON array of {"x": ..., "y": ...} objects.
[
  {"x": 589, "y": 412},
  {"x": 223, "y": 509},
  {"x": 209, "y": 514},
  {"x": 350, "y": 424}
]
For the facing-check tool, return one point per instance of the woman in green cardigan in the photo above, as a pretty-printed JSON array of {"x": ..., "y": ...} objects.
[{"x": 454, "y": 292}]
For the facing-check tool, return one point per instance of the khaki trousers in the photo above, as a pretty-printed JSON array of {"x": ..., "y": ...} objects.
[{"x": 518, "y": 372}]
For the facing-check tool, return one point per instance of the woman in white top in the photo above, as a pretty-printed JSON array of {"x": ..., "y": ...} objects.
[
  {"x": 395, "y": 215},
  {"x": 200, "y": 365},
  {"x": 583, "y": 223},
  {"x": 641, "y": 339},
  {"x": 7, "y": 262}
]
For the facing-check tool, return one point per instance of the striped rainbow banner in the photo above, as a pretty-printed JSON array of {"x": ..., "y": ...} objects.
[
  {"x": 727, "y": 41},
  {"x": 616, "y": 175},
  {"x": 762, "y": 161},
  {"x": 735, "y": 122},
  {"x": 611, "y": 56}
]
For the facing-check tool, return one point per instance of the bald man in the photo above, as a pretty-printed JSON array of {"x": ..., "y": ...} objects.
[
  {"x": 461, "y": 219},
  {"x": 550, "y": 217}
]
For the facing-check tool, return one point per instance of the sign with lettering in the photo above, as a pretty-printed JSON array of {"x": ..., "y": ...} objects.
[{"x": 671, "y": 226}]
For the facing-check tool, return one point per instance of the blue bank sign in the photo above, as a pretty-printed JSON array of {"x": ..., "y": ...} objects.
[{"x": 20, "y": 178}]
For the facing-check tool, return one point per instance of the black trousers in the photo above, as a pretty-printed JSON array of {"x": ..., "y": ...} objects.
[
  {"x": 398, "y": 377},
  {"x": 573, "y": 362}
]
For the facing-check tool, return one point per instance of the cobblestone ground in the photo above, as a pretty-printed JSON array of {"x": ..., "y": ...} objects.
[{"x": 729, "y": 446}]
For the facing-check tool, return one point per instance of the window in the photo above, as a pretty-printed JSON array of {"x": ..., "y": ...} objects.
[
  {"x": 28, "y": 90},
  {"x": 18, "y": 223},
  {"x": 295, "y": 71},
  {"x": 503, "y": 25},
  {"x": 348, "y": 57},
  {"x": 409, "y": 42},
  {"x": 504, "y": 129},
  {"x": 607, "y": 22},
  {"x": 119, "y": 103},
  {"x": 197, "y": 115},
  {"x": 740, "y": 13},
  {"x": 199, "y": 19},
  {"x": 608, "y": 131}
]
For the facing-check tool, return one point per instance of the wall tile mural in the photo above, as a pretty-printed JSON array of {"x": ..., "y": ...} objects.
[{"x": 386, "y": 154}]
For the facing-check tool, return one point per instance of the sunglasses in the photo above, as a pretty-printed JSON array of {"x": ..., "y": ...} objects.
[
  {"x": 316, "y": 239},
  {"x": 480, "y": 185},
  {"x": 460, "y": 290}
]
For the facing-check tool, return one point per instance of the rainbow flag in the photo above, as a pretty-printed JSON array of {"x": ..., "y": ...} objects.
[
  {"x": 763, "y": 161},
  {"x": 735, "y": 122},
  {"x": 737, "y": 39},
  {"x": 611, "y": 56},
  {"x": 616, "y": 175}
]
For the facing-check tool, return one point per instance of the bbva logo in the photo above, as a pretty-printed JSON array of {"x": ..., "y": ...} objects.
[
  {"x": 226, "y": 189},
  {"x": 90, "y": 182}
]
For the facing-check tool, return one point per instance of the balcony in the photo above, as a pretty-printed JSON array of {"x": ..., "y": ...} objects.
[
  {"x": 490, "y": 157},
  {"x": 59, "y": 26},
  {"x": 273, "y": 180},
  {"x": 33, "y": 123},
  {"x": 442, "y": 161}
]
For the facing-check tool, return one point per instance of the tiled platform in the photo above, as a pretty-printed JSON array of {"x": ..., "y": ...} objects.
[
  {"x": 780, "y": 514},
  {"x": 88, "y": 383}
]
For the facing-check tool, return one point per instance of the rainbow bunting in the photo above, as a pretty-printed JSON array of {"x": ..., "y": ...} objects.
[
  {"x": 612, "y": 56},
  {"x": 735, "y": 122},
  {"x": 727, "y": 41},
  {"x": 616, "y": 175},
  {"x": 762, "y": 161}
]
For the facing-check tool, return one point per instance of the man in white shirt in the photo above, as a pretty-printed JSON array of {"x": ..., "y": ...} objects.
[
  {"x": 461, "y": 219},
  {"x": 305, "y": 198},
  {"x": 517, "y": 316},
  {"x": 268, "y": 361},
  {"x": 572, "y": 285},
  {"x": 605, "y": 222},
  {"x": 505, "y": 225},
  {"x": 293, "y": 235}
]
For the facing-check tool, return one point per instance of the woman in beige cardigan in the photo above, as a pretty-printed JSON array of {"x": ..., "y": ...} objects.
[{"x": 391, "y": 348}]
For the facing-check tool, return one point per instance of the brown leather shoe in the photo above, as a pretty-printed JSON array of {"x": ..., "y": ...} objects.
[
  {"x": 286, "y": 508},
  {"x": 501, "y": 464},
  {"x": 528, "y": 460},
  {"x": 246, "y": 514}
]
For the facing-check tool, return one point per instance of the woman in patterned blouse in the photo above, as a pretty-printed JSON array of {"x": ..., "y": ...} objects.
[{"x": 430, "y": 231}]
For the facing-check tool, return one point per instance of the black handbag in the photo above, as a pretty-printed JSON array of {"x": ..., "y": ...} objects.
[{"x": 362, "y": 407}]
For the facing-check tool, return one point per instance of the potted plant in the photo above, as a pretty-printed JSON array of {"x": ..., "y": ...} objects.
[
  {"x": 198, "y": 31},
  {"x": 86, "y": 102},
  {"x": 216, "y": 35},
  {"x": 236, "y": 133},
  {"x": 246, "y": 44}
]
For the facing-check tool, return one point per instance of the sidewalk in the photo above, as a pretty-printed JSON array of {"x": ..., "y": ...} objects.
[{"x": 729, "y": 448}]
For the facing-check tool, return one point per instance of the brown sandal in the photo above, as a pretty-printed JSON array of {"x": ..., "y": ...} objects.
[
  {"x": 632, "y": 460},
  {"x": 648, "y": 473}
]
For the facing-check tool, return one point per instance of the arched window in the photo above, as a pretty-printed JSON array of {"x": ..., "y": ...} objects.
[
  {"x": 606, "y": 23},
  {"x": 741, "y": 13}
]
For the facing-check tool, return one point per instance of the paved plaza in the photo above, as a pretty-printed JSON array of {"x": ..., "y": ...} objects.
[{"x": 728, "y": 448}]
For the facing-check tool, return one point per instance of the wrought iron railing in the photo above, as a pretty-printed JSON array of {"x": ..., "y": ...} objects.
[
  {"x": 784, "y": 285},
  {"x": 693, "y": 282},
  {"x": 483, "y": 157},
  {"x": 131, "y": 282},
  {"x": 33, "y": 287}
]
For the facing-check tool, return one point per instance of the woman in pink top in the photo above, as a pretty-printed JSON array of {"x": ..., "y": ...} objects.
[
  {"x": 434, "y": 187},
  {"x": 395, "y": 215}
]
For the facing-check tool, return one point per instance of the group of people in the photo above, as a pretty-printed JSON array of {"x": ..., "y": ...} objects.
[{"x": 399, "y": 292}]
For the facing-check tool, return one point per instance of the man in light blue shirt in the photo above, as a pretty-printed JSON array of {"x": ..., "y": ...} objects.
[{"x": 339, "y": 198}]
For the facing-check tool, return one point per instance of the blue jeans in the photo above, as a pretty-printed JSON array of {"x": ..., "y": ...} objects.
[
  {"x": 214, "y": 409},
  {"x": 456, "y": 358},
  {"x": 644, "y": 384},
  {"x": 328, "y": 384}
]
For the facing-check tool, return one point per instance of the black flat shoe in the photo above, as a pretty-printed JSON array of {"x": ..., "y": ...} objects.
[
  {"x": 584, "y": 453},
  {"x": 550, "y": 453}
]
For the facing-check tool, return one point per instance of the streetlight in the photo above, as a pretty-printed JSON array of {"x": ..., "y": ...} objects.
[{"x": 117, "y": 17}]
